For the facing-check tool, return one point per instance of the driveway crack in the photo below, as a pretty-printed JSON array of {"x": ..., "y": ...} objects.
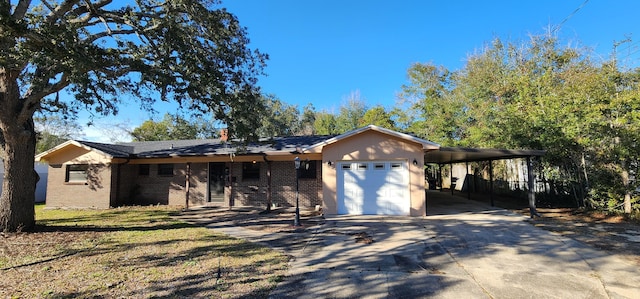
[{"x": 484, "y": 290}]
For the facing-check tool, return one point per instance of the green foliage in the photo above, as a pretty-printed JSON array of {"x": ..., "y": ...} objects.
[
  {"x": 378, "y": 116},
  {"x": 308, "y": 120},
  {"x": 279, "y": 119},
  {"x": 53, "y": 130},
  {"x": 104, "y": 52},
  {"x": 174, "y": 127},
  {"x": 351, "y": 113},
  {"x": 433, "y": 112},
  {"x": 538, "y": 94},
  {"x": 325, "y": 124}
]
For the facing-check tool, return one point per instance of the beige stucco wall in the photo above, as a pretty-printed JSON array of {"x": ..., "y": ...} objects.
[
  {"x": 77, "y": 155},
  {"x": 373, "y": 145}
]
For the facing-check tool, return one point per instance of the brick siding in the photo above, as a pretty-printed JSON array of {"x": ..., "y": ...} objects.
[
  {"x": 283, "y": 183},
  {"x": 117, "y": 185},
  {"x": 94, "y": 193}
]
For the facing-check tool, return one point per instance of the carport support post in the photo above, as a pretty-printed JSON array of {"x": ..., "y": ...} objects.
[
  {"x": 440, "y": 177},
  {"x": 467, "y": 181},
  {"x": 532, "y": 192},
  {"x": 491, "y": 181},
  {"x": 451, "y": 177}
]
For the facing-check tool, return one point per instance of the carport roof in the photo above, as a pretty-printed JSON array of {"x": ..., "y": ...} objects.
[{"x": 446, "y": 155}]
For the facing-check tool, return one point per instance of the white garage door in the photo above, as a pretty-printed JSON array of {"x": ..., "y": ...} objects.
[{"x": 373, "y": 188}]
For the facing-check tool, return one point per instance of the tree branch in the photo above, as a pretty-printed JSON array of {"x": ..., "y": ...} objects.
[
  {"x": 21, "y": 9},
  {"x": 34, "y": 98}
]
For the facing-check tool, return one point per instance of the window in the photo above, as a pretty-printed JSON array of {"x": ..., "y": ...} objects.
[
  {"x": 250, "y": 171},
  {"x": 308, "y": 170},
  {"x": 378, "y": 166},
  {"x": 165, "y": 169},
  {"x": 76, "y": 173},
  {"x": 143, "y": 169}
]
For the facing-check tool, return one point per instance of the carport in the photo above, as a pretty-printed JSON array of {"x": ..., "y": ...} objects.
[{"x": 451, "y": 155}]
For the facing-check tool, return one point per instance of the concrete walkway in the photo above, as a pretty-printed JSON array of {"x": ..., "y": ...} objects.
[{"x": 463, "y": 249}]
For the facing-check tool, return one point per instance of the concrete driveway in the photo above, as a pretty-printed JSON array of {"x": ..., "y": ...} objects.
[{"x": 463, "y": 249}]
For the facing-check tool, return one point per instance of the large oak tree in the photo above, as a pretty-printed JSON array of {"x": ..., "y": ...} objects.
[{"x": 103, "y": 51}]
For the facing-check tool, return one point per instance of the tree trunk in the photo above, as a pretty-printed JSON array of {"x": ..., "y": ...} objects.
[
  {"x": 17, "y": 149},
  {"x": 531, "y": 192},
  {"x": 627, "y": 189}
]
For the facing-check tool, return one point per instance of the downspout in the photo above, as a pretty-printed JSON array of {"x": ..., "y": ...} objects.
[{"x": 118, "y": 174}]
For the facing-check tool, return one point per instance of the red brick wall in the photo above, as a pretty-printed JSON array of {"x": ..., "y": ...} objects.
[
  {"x": 130, "y": 188},
  {"x": 160, "y": 189},
  {"x": 95, "y": 193},
  {"x": 283, "y": 183},
  {"x": 198, "y": 183}
]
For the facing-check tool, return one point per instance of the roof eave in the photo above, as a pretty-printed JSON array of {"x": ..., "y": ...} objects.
[
  {"x": 426, "y": 145},
  {"x": 43, "y": 156}
]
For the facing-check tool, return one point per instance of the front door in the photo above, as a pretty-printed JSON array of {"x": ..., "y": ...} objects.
[{"x": 216, "y": 182}]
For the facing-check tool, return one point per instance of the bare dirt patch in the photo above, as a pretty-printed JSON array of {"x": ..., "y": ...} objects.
[{"x": 613, "y": 233}]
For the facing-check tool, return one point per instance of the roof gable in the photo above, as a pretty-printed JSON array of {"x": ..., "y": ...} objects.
[
  {"x": 108, "y": 151},
  {"x": 426, "y": 145}
]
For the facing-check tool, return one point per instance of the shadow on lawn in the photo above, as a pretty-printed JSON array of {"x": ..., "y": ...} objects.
[
  {"x": 188, "y": 280},
  {"x": 197, "y": 271}
]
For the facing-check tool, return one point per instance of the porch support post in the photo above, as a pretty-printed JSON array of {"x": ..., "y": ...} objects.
[
  {"x": 269, "y": 198},
  {"x": 532, "y": 192},
  {"x": 231, "y": 185},
  {"x": 491, "y": 181},
  {"x": 187, "y": 185}
]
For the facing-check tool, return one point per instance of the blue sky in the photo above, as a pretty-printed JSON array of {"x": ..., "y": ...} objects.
[{"x": 322, "y": 51}]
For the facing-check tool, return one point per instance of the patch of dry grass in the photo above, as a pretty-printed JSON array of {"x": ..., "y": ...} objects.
[{"x": 132, "y": 252}]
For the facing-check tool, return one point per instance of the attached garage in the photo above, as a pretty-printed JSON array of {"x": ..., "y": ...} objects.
[
  {"x": 373, "y": 188},
  {"x": 373, "y": 171}
]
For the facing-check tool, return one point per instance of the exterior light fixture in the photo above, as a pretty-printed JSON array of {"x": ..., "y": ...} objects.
[{"x": 415, "y": 162}]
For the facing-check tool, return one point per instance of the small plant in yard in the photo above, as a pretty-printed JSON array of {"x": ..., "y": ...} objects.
[{"x": 131, "y": 252}]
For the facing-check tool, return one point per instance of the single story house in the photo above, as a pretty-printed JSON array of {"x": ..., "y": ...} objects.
[{"x": 370, "y": 170}]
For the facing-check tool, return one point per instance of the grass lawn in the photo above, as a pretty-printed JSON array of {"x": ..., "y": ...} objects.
[{"x": 135, "y": 252}]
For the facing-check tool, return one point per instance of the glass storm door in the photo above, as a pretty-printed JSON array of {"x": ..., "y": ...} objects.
[{"x": 216, "y": 182}]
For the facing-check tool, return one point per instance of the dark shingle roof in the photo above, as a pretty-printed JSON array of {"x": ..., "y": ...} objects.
[
  {"x": 115, "y": 150},
  {"x": 202, "y": 147}
]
